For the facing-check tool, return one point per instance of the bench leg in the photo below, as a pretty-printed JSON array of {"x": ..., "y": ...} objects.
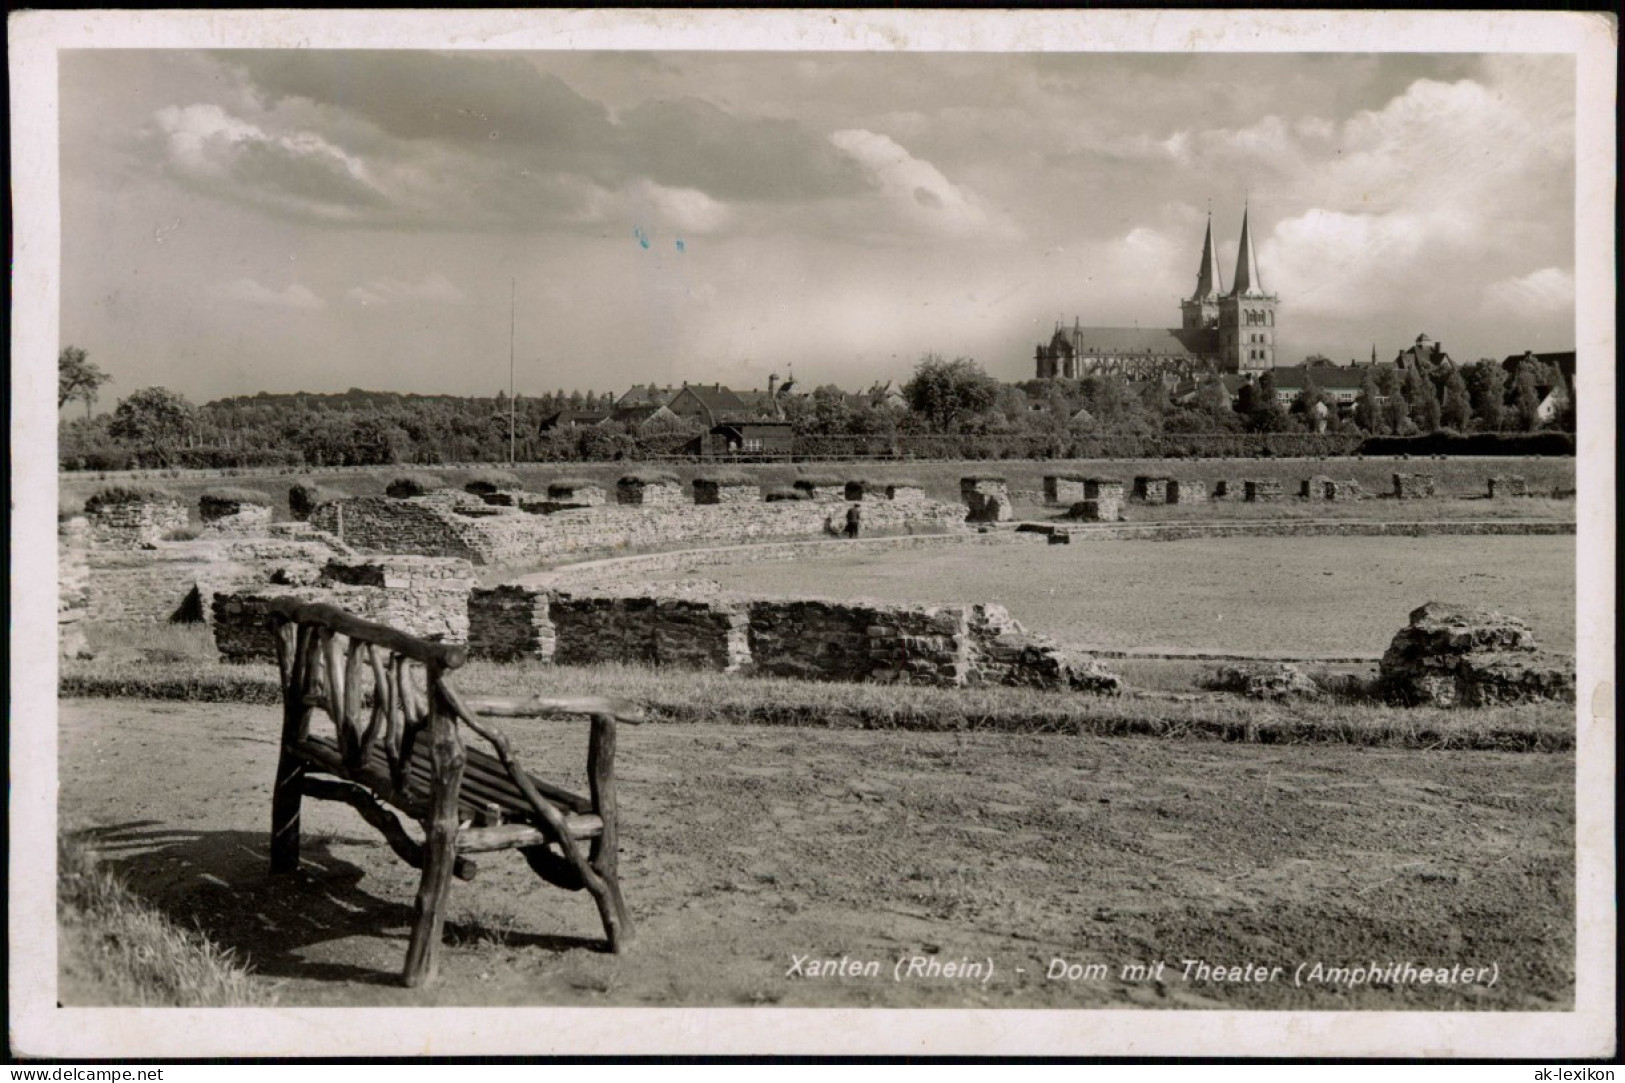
[
  {"x": 606, "y": 892},
  {"x": 439, "y": 852},
  {"x": 286, "y": 798}
]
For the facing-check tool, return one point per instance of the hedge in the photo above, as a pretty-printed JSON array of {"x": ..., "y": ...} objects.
[
  {"x": 408, "y": 485},
  {"x": 114, "y": 495},
  {"x": 231, "y": 494},
  {"x": 304, "y": 497},
  {"x": 492, "y": 481},
  {"x": 1478, "y": 443}
]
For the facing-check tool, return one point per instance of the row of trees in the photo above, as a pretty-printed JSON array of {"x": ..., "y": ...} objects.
[{"x": 157, "y": 427}]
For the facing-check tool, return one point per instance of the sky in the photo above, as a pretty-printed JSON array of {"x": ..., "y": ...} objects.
[{"x": 286, "y": 220}]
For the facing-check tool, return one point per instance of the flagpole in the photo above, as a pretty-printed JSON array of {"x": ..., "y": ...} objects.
[{"x": 513, "y": 295}]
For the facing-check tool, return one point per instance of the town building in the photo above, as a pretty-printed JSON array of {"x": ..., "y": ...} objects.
[{"x": 1220, "y": 331}]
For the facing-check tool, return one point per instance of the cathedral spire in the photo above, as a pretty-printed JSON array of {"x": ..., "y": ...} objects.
[
  {"x": 1208, "y": 283},
  {"x": 1247, "y": 279}
]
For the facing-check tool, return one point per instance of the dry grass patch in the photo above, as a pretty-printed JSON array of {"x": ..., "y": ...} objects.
[{"x": 115, "y": 949}]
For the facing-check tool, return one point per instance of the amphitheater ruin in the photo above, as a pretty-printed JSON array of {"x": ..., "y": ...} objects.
[{"x": 424, "y": 561}]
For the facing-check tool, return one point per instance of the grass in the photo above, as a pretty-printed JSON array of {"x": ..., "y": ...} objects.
[
  {"x": 680, "y": 696},
  {"x": 128, "y": 494},
  {"x": 116, "y": 949},
  {"x": 1308, "y": 597}
]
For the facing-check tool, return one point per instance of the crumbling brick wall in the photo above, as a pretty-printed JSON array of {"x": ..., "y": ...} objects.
[
  {"x": 988, "y": 499},
  {"x": 1261, "y": 490},
  {"x": 1340, "y": 490},
  {"x": 1456, "y": 656},
  {"x": 713, "y": 491},
  {"x": 510, "y": 622},
  {"x": 381, "y": 524},
  {"x": 1064, "y": 489},
  {"x": 1187, "y": 492},
  {"x": 1413, "y": 486},
  {"x": 1314, "y": 488},
  {"x": 1151, "y": 489},
  {"x": 1502, "y": 485},
  {"x": 633, "y": 491},
  {"x": 73, "y": 586},
  {"x": 136, "y": 524}
]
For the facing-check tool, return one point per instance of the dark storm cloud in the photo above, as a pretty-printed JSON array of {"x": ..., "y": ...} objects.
[{"x": 505, "y": 108}]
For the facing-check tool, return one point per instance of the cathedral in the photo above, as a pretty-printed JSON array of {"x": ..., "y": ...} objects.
[{"x": 1220, "y": 331}]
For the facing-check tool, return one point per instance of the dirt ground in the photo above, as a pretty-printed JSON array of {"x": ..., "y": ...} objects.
[
  {"x": 1307, "y": 597},
  {"x": 744, "y": 848}
]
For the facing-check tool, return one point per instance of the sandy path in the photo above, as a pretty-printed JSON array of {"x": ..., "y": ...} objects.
[{"x": 745, "y": 847}]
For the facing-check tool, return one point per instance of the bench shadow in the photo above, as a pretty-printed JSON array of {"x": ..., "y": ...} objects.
[{"x": 219, "y": 883}]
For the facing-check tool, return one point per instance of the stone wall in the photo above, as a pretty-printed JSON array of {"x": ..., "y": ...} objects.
[
  {"x": 632, "y": 491},
  {"x": 73, "y": 586},
  {"x": 807, "y": 639},
  {"x": 173, "y": 581},
  {"x": 1187, "y": 492},
  {"x": 232, "y": 519},
  {"x": 988, "y": 499},
  {"x": 832, "y": 491},
  {"x": 1149, "y": 489},
  {"x": 1223, "y": 489},
  {"x": 135, "y": 525},
  {"x": 507, "y": 536},
  {"x": 908, "y": 494},
  {"x": 1413, "y": 486},
  {"x": 382, "y": 524},
  {"x": 1314, "y": 488},
  {"x": 582, "y": 496},
  {"x": 1261, "y": 490},
  {"x": 1064, "y": 489},
  {"x": 509, "y": 622},
  {"x": 426, "y": 597},
  {"x": 1454, "y": 656},
  {"x": 711, "y": 491},
  {"x": 688, "y": 633},
  {"x": 1508, "y": 485},
  {"x": 1340, "y": 490}
]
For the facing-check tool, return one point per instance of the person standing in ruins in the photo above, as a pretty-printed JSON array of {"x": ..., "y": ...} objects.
[{"x": 854, "y": 520}]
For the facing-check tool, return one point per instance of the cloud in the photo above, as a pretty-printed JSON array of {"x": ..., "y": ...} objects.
[
  {"x": 915, "y": 189},
  {"x": 225, "y": 155},
  {"x": 1546, "y": 292},
  {"x": 470, "y": 112},
  {"x": 247, "y": 291},
  {"x": 435, "y": 288}
]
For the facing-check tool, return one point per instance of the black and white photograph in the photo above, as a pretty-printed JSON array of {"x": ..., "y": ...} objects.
[{"x": 1002, "y": 533}]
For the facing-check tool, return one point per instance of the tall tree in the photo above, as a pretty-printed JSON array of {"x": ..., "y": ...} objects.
[
  {"x": 1423, "y": 399},
  {"x": 947, "y": 394},
  {"x": 1367, "y": 409},
  {"x": 77, "y": 379},
  {"x": 1526, "y": 399},
  {"x": 155, "y": 419},
  {"x": 1487, "y": 388},
  {"x": 1456, "y": 412},
  {"x": 1396, "y": 412}
]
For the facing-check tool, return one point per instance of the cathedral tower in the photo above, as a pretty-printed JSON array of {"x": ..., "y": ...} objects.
[
  {"x": 1247, "y": 313},
  {"x": 1201, "y": 311}
]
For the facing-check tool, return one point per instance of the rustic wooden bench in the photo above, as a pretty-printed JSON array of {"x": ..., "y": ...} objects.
[{"x": 397, "y": 741}]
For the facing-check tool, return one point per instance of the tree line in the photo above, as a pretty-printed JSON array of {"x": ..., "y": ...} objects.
[{"x": 944, "y": 401}]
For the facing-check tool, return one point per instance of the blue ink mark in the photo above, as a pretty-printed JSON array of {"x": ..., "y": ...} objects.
[
  {"x": 643, "y": 238},
  {"x": 680, "y": 247}
]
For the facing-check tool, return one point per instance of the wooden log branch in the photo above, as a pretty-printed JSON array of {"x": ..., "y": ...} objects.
[
  {"x": 379, "y": 815},
  {"x": 442, "y": 655},
  {"x": 351, "y": 706},
  {"x": 440, "y": 838},
  {"x": 539, "y": 706}
]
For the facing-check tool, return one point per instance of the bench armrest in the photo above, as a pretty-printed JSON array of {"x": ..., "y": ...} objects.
[{"x": 538, "y": 706}]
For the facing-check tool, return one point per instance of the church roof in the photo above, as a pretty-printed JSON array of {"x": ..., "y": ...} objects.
[
  {"x": 1248, "y": 282},
  {"x": 1209, "y": 286},
  {"x": 1145, "y": 341}
]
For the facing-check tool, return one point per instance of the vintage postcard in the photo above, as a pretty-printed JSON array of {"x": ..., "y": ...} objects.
[{"x": 932, "y": 533}]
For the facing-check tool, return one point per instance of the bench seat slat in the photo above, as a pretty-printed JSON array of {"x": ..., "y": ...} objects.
[{"x": 479, "y": 788}]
